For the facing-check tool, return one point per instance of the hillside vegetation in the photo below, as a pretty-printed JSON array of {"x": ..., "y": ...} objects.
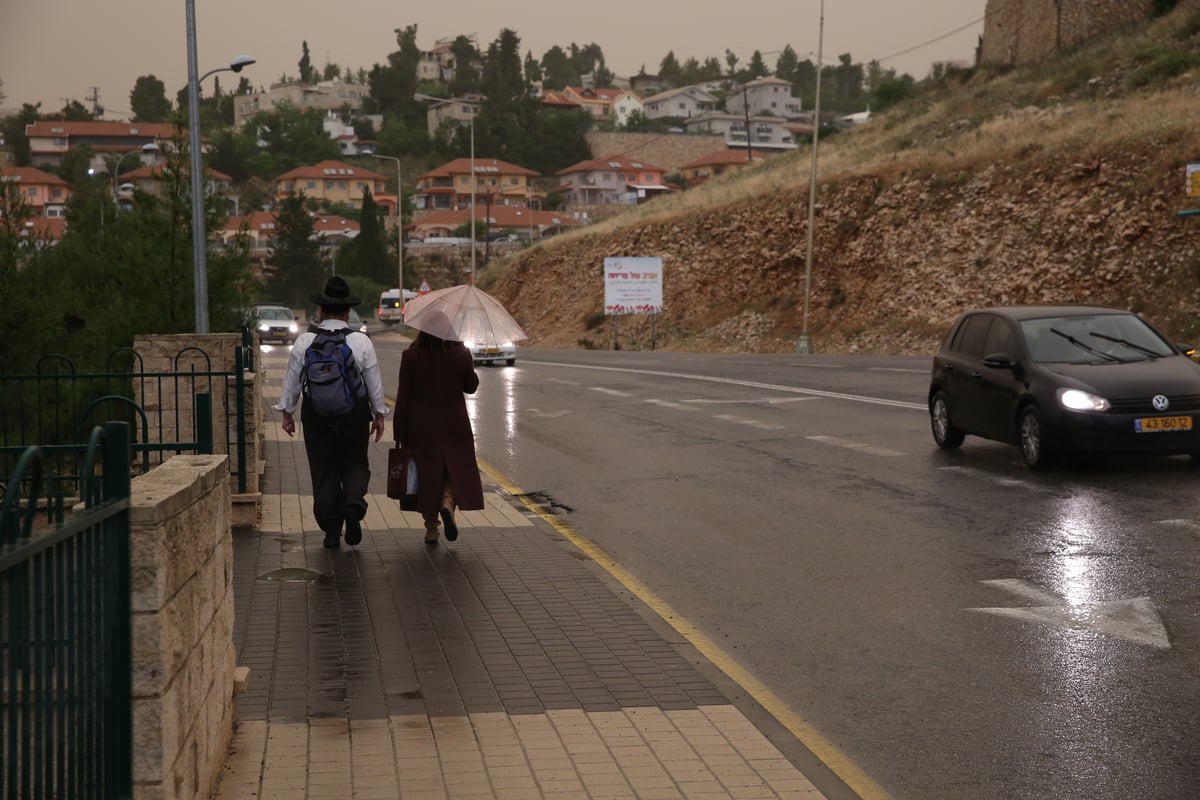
[{"x": 1054, "y": 184}]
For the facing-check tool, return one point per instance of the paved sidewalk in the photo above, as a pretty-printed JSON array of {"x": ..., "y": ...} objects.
[{"x": 501, "y": 665}]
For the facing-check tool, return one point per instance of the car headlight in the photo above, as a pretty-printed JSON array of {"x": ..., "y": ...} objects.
[
  {"x": 469, "y": 344},
  {"x": 506, "y": 345},
  {"x": 293, "y": 328},
  {"x": 1079, "y": 400},
  {"x": 264, "y": 327}
]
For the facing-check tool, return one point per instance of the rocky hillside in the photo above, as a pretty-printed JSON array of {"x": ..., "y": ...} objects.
[{"x": 1058, "y": 185}]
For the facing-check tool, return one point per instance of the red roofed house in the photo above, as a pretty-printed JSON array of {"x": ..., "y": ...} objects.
[
  {"x": 600, "y": 102},
  {"x": 329, "y": 229},
  {"x": 44, "y": 193},
  {"x": 331, "y": 182},
  {"x": 149, "y": 179},
  {"x": 615, "y": 181},
  {"x": 719, "y": 163},
  {"x": 42, "y": 230},
  {"x": 449, "y": 187},
  {"x": 49, "y": 140}
]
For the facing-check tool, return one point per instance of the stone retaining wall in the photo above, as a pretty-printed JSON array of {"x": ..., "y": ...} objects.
[
  {"x": 182, "y": 604},
  {"x": 1020, "y": 32}
]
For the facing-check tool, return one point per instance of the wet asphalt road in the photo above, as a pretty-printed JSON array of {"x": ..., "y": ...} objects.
[{"x": 957, "y": 626}]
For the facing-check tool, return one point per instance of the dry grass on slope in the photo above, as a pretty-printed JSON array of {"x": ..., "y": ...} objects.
[{"x": 1054, "y": 184}]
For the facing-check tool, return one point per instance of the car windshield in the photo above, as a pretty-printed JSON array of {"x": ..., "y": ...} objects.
[
  {"x": 1093, "y": 338},
  {"x": 355, "y": 319},
  {"x": 273, "y": 313}
]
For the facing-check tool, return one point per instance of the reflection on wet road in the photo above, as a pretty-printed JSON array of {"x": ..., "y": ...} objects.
[{"x": 957, "y": 625}]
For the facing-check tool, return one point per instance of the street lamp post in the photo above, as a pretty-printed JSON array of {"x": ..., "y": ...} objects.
[
  {"x": 427, "y": 97},
  {"x": 399, "y": 221},
  {"x": 199, "y": 236},
  {"x": 147, "y": 148},
  {"x": 804, "y": 345}
]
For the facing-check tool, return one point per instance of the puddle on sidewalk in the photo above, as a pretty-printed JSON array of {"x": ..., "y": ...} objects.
[{"x": 294, "y": 575}]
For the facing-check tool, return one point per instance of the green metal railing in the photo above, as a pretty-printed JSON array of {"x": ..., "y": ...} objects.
[
  {"x": 66, "y": 719},
  {"x": 55, "y": 404}
]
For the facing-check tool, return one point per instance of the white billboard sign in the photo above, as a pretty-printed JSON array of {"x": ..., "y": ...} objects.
[{"x": 633, "y": 285}]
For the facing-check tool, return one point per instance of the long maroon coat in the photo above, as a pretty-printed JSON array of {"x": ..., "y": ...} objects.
[{"x": 431, "y": 418}]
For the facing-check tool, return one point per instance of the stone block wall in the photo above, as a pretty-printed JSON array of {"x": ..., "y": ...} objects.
[
  {"x": 1021, "y": 32},
  {"x": 182, "y": 604}
]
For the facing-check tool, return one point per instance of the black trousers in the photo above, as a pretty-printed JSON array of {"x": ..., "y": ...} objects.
[{"x": 337, "y": 461}]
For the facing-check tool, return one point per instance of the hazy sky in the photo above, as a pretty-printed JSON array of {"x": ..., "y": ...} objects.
[{"x": 53, "y": 51}]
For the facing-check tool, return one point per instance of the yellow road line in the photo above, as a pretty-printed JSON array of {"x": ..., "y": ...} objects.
[{"x": 822, "y": 748}]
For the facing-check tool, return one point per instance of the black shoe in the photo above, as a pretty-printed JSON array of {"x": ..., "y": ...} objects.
[
  {"x": 333, "y": 540},
  {"x": 448, "y": 524},
  {"x": 353, "y": 531}
]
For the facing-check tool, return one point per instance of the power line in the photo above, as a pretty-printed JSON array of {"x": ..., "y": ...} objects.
[{"x": 946, "y": 35}]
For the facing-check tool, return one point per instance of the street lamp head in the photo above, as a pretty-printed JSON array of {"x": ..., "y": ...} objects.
[
  {"x": 150, "y": 147},
  {"x": 241, "y": 61}
]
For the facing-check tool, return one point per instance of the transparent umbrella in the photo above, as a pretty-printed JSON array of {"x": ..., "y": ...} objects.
[{"x": 462, "y": 313}]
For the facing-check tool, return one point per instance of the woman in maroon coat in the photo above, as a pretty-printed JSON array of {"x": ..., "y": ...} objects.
[{"x": 431, "y": 418}]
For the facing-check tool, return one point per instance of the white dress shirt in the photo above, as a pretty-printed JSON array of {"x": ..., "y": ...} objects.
[{"x": 364, "y": 358}]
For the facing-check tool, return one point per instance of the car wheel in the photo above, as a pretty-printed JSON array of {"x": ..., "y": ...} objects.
[
  {"x": 944, "y": 433},
  {"x": 510, "y": 361},
  {"x": 1035, "y": 448}
]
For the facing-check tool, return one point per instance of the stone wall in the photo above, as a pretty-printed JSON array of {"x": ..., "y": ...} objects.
[
  {"x": 668, "y": 151},
  {"x": 182, "y": 604},
  {"x": 1020, "y": 32}
]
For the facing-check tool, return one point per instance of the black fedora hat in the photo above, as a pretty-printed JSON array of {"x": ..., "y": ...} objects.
[{"x": 337, "y": 293}]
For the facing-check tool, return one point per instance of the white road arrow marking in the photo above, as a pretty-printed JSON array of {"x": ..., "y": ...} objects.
[
  {"x": 613, "y": 392},
  {"x": 753, "y": 423},
  {"x": 850, "y": 444},
  {"x": 668, "y": 404},
  {"x": 1134, "y": 620}
]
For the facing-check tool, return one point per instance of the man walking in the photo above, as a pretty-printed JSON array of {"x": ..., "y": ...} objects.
[{"x": 333, "y": 375}]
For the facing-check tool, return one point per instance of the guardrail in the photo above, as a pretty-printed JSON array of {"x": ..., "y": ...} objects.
[{"x": 66, "y": 720}]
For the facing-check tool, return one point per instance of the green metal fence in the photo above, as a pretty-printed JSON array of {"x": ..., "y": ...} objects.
[
  {"x": 168, "y": 411},
  {"x": 66, "y": 720}
]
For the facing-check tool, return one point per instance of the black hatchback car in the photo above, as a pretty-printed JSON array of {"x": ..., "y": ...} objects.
[{"x": 1059, "y": 380}]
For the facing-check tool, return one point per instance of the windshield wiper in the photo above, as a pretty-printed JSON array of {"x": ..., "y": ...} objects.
[
  {"x": 1084, "y": 345},
  {"x": 1130, "y": 345}
]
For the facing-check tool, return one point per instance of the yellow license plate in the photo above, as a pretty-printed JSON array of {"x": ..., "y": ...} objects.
[
  {"x": 491, "y": 351},
  {"x": 1161, "y": 424}
]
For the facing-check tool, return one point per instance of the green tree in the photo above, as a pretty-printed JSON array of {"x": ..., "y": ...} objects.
[
  {"x": 689, "y": 73},
  {"x": 533, "y": 69},
  {"x": 466, "y": 77},
  {"x": 285, "y": 138},
  {"x": 669, "y": 69},
  {"x": 710, "y": 70},
  {"x": 731, "y": 61},
  {"x": 75, "y": 111},
  {"x": 148, "y": 100},
  {"x": 331, "y": 72},
  {"x": 757, "y": 68},
  {"x": 557, "y": 70},
  {"x": 12, "y": 131},
  {"x": 367, "y": 254},
  {"x": 787, "y": 64},
  {"x": 306, "y": 67},
  {"x": 296, "y": 263},
  {"x": 392, "y": 85},
  {"x": 636, "y": 122}
]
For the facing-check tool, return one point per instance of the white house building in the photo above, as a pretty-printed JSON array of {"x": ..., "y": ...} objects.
[
  {"x": 687, "y": 102},
  {"x": 771, "y": 97}
]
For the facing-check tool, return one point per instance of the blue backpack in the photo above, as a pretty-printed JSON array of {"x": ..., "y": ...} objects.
[{"x": 330, "y": 378}]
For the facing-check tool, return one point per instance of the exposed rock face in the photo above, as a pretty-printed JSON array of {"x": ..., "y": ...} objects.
[{"x": 896, "y": 256}]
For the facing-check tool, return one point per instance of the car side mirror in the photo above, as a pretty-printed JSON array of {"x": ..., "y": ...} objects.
[{"x": 1186, "y": 349}]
